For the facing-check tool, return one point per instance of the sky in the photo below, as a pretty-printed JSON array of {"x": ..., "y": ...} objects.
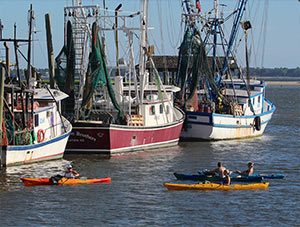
[{"x": 274, "y": 45}]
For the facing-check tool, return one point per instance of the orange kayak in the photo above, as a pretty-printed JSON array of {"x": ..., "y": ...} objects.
[{"x": 63, "y": 181}]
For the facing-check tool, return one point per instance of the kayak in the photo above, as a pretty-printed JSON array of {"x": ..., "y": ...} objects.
[
  {"x": 63, "y": 181},
  {"x": 270, "y": 176},
  {"x": 214, "y": 186},
  {"x": 203, "y": 177}
]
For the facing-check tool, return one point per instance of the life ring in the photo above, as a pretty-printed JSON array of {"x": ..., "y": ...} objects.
[
  {"x": 257, "y": 123},
  {"x": 40, "y": 135}
]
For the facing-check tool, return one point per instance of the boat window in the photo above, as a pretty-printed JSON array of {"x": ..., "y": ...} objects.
[
  {"x": 258, "y": 99},
  {"x": 152, "y": 110},
  {"x": 253, "y": 101},
  {"x": 36, "y": 120},
  {"x": 168, "y": 109},
  {"x": 161, "y": 108},
  {"x": 49, "y": 114}
]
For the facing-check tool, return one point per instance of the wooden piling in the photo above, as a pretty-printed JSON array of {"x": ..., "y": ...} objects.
[
  {"x": 50, "y": 50},
  {"x": 3, "y": 148}
]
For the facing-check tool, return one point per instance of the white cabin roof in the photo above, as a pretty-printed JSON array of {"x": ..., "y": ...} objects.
[
  {"x": 241, "y": 93},
  {"x": 240, "y": 82},
  {"x": 43, "y": 94}
]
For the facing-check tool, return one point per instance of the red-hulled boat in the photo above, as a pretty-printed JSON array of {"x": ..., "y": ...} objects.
[
  {"x": 128, "y": 111},
  {"x": 94, "y": 137}
]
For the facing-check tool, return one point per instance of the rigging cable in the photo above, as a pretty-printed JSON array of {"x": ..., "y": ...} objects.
[
  {"x": 265, "y": 22},
  {"x": 170, "y": 27}
]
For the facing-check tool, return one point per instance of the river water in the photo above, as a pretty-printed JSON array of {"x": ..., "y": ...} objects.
[{"x": 136, "y": 196}]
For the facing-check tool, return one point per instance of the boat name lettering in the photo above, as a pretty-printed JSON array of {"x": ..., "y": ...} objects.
[{"x": 86, "y": 136}]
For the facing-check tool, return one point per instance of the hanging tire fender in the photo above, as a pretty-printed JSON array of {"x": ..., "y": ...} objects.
[{"x": 257, "y": 123}]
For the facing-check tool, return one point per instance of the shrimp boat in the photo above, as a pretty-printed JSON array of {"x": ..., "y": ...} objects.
[
  {"x": 113, "y": 113},
  {"x": 32, "y": 128},
  {"x": 219, "y": 98}
]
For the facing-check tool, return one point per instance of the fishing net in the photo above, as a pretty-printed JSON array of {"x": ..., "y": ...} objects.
[{"x": 97, "y": 75}]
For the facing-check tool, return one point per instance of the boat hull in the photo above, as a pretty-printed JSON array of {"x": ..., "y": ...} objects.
[
  {"x": 93, "y": 138},
  {"x": 212, "y": 126},
  {"x": 63, "y": 181},
  {"x": 202, "y": 177},
  {"x": 44, "y": 151},
  {"x": 214, "y": 186}
]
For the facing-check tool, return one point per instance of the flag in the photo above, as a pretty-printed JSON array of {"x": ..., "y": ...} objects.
[{"x": 198, "y": 6}]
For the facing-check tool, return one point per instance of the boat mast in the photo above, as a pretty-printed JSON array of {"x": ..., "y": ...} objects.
[
  {"x": 240, "y": 11},
  {"x": 216, "y": 3},
  {"x": 216, "y": 24},
  {"x": 143, "y": 47},
  {"x": 29, "y": 69}
]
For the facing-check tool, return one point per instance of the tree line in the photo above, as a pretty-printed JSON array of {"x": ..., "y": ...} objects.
[{"x": 275, "y": 72}]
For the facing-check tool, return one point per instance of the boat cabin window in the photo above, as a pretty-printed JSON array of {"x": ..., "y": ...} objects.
[
  {"x": 253, "y": 101},
  {"x": 36, "y": 120},
  {"x": 167, "y": 109},
  {"x": 258, "y": 100},
  {"x": 152, "y": 110},
  {"x": 161, "y": 108}
]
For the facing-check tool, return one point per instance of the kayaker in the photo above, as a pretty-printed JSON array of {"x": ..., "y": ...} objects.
[
  {"x": 70, "y": 172},
  {"x": 249, "y": 171},
  {"x": 226, "y": 179},
  {"x": 219, "y": 171}
]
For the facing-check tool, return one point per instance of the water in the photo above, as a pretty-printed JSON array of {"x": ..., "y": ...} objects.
[{"x": 136, "y": 196}]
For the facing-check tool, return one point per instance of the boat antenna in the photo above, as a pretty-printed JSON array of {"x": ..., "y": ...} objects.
[
  {"x": 117, "y": 39},
  {"x": 246, "y": 25},
  {"x": 77, "y": 2}
]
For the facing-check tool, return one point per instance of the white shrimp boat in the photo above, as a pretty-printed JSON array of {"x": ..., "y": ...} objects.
[
  {"x": 220, "y": 100},
  {"x": 208, "y": 125},
  {"x": 45, "y": 135},
  {"x": 32, "y": 128}
]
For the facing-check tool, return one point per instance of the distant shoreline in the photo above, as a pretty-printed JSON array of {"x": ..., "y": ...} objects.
[{"x": 283, "y": 83}]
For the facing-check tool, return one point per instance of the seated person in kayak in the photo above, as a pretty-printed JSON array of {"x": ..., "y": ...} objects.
[
  {"x": 226, "y": 179},
  {"x": 249, "y": 171},
  {"x": 70, "y": 172},
  {"x": 219, "y": 171}
]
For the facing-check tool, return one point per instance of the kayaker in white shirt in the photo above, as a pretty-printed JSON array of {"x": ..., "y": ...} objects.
[
  {"x": 70, "y": 172},
  {"x": 226, "y": 179}
]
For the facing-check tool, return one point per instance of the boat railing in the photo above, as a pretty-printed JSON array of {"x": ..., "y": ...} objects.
[{"x": 30, "y": 136}]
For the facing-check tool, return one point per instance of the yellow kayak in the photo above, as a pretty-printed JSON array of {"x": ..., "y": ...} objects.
[{"x": 214, "y": 186}]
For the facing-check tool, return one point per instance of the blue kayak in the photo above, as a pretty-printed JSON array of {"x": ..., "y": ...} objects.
[
  {"x": 204, "y": 177},
  {"x": 270, "y": 176}
]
